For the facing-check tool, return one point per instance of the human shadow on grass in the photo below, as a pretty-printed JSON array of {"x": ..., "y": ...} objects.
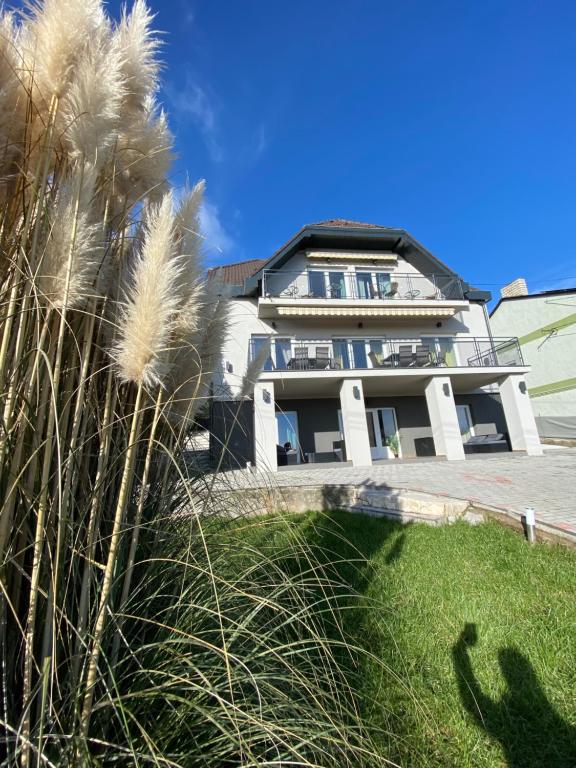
[{"x": 531, "y": 732}]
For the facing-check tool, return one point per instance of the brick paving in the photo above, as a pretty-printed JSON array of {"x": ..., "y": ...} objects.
[{"x": 507, "y": 482}]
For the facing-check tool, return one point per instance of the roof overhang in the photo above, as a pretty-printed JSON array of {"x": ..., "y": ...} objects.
[{"x": 381, "y": 239}]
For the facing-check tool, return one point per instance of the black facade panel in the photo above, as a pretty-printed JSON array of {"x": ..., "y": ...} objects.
[{"x": 232, "y": 433}]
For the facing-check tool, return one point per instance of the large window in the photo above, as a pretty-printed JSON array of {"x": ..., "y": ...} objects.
[
  {"x": 383, "y": 284},
  {"x": 337, "y": 285},
  {"x": 317, "y": 284},
  {"x": 364, "y": 285},
  {"x": 258, "y": 344},
  {"x": 341, "y": 355},
  {"x": 465, "y": 422},
  {"x": 283, "y": 353},
  {"x": 359, "y": 353}
]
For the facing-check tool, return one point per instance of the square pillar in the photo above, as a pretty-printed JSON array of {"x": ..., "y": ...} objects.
[
  {"x": 519, "y": 415},
  {"x": 354, "y": 423},
  {"x": 265, "y": 429},
  {"x": 444, "y": 418}
]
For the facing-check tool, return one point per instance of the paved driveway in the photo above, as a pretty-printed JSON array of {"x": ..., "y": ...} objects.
[{"x": 506, "y": 481}]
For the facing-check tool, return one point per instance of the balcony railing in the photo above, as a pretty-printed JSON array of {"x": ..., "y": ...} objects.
[
  {"x": 289, "y": 354},
  {"x": 335, "y": 284}
]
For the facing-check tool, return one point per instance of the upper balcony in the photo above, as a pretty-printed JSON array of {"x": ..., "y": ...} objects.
[{"x": 340, "y": 293}]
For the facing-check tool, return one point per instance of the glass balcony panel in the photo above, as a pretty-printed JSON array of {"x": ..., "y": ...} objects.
[{"x": 356, "y": 353}]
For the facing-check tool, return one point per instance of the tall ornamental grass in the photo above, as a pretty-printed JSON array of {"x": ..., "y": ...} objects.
[{"x": 135, "y": 627}]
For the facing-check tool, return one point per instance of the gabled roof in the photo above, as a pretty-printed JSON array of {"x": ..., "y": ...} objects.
[
  {"x": 356, "y": 235},
  {"x": 235, "y": 274},
  {"x": 345, "y": 223}
]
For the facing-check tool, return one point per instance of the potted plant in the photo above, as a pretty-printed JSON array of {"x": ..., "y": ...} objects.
[{"x": 393, "y": 444}]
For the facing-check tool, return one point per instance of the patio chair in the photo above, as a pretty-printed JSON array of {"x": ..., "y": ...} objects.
[
  {"x": 441, "y": 358},
  {"x": 323, "y": 357},
  {"x": 392, "y": 292},
  {"x": 337, "y": 291},
  {"x": 375, "y": 360},
  {"x": 422, "y": 356},
  {"x": 405, "y": 355},
  {"x": 301, "y": 360}
]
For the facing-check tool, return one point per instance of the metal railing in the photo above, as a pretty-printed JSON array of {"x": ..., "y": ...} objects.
[
  {"x": 290, "y": 354},
  {"x": 338, "y": 284}
]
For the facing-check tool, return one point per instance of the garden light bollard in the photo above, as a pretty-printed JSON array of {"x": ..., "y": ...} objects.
[{"x": 530, "y": 522}]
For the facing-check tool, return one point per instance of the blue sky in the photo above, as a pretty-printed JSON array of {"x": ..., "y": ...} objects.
[{"x": 453, "y": 120}]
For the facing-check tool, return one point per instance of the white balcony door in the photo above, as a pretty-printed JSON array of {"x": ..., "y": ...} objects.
[{"x": 382, "y": 428}]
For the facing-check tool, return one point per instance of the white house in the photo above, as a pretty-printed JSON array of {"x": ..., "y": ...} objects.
[
  {"x": 371, "y": 348},
  {"x": 546, "y": 326}
]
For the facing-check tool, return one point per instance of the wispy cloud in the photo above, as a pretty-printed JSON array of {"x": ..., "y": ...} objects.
[
  {"x": 219, "y": 241},
  {"x": 195, "y": 104},
  {"x": 262, "y": 140},
  {"x": 188, "y": 12}
]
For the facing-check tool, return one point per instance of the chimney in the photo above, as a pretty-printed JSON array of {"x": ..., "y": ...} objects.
[{"x": 517, "y": 287}]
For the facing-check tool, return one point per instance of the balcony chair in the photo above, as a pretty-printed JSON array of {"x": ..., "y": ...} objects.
[
  {"x": 323, "y": 357},
  {"x": 301, "y": 359},
  {"x": 405, "y": 356},
  {"x": 422, "y": 356},
  {"x": 441, "y": 358},
  {"x": 376, "y": 361},
  {"x": 392, "y": 292}
]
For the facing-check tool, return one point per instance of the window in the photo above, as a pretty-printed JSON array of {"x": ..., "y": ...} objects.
[
  {"x": 359, "y": 353},
  {"x": 376, "y": 346},
  {"x": 465, "y": 422},
  {"x": 287, "y": 426},
  {"x": 341, "y": 355},
  {"x": 337, "y": 285},
  {"x": 364, "y": 285},
  {"x": 283, "y": 353},
  {"x": 383, "y": 284},
  {"x": 258, "y": 343},
  {"x": 317, "y": 284}
]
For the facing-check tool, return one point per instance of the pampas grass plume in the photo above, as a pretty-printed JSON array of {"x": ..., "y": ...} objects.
[
  {"x": 56, "y": 36},
  {"x": 139, "y": 48},
  {"x": 73, "y": 243},
  {"x": 147, "y": 319},
  {"x": 90, "y": 111}
]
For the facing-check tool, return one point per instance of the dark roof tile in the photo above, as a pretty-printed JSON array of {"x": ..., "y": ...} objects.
[{"x": 235, "y": 274}]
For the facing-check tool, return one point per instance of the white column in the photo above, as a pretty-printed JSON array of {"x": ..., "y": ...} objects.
[
  {"x": 519, "y": 415},
  {"x": 354, "y": 423},
  {"x": 265, "y": 429},
  {"x": 444, "y": 418}
]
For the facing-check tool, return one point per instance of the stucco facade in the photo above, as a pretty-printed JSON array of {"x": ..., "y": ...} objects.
[{"x": 369, "y": 348}]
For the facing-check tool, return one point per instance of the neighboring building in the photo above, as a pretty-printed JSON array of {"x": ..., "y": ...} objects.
[
  {"x": 370, "y": 347},
  {"x": 546, "y": 326}
]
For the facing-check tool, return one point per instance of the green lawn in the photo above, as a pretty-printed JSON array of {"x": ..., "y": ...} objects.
[{"x": 477, "y": 632}]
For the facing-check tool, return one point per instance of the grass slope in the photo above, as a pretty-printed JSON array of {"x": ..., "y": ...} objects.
[{"x": 476, "y": 630}]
